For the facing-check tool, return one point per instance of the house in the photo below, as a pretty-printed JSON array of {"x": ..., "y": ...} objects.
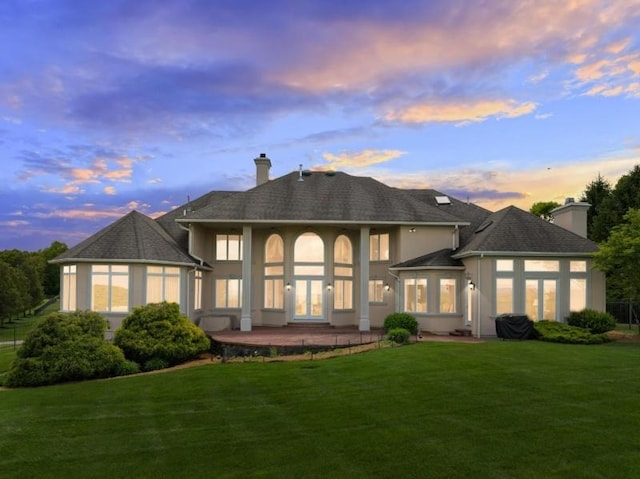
[{"x": 328, "y": 247}]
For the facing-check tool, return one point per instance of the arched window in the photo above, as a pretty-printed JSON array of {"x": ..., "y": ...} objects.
[
  {"x": 343, "y": 273},
  {"x": 274, "y": 249},
  {"x": 309, "y": 248},
  {"x": 274, "y": 272}
]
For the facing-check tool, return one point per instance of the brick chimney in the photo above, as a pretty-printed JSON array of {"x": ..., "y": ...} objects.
[
  {"x": 572, "y": 216},
  {"x": 263, "y": 165}
]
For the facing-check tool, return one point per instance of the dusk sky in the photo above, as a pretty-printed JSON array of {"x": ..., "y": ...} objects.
[{"x": 112, "y": 105}]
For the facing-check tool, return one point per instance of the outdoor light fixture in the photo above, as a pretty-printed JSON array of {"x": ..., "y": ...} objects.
[
  {"x": 288, "y": 286},
  {"x": 412, "y": 230},
  {"x": 387, "y": 287},
  {"x": 472, "y": 285},
  {"x": 329, "y": 287}
]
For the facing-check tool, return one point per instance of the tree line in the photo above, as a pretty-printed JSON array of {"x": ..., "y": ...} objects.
[
  {"x": 27, "y": 278},
  {"x": 613, "y": 221}
]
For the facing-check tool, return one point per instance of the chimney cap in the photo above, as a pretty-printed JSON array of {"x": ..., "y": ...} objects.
[{"x": 569, "y": 200}]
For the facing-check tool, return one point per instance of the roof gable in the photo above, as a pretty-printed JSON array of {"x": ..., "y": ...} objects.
[
  {"x": 512, "y": 230},
  {"x": 134, "y": 237}
]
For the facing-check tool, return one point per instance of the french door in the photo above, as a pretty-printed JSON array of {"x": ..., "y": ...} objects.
[{"x": 309, "y": 299}]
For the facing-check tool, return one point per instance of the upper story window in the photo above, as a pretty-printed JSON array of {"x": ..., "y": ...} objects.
[
  {"x": 228, "y": 247},
  {"x": 163, "y": 284},
  {"x": 379, "y": 247},
  {"x": 274, "y": 249},
  {"x": 343, "y": 273},
  {"x": 110, "y": 288},
  {"x": 68, "y": 289},
  {"x": 274, "y": 272},
  {"x": 308, "y": 255}
]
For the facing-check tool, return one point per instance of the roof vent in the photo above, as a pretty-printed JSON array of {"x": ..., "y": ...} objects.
[
  {"x": 568, "y": 201},
  {"x": 484, "y": 226},
  {"x": 300, "y": 178},
  {"x": 330, "y": 173},
  {"x": 442, "y": 200}
]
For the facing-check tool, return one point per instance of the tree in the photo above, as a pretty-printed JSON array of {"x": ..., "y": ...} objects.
[
  {"x": 51, "y": 277},
  {"x": 619, "y": 256},
  {"x": 9, "y": 292},
  {"x": 543, "y": 209},
  {"x": 596, "y": 192},
  {"x": 612, "y": 209}
]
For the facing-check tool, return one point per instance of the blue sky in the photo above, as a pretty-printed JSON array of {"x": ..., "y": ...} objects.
[{"x": 112, "y": 105}]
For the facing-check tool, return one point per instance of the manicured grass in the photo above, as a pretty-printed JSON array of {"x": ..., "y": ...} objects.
[{"x": 499, "y": 409}]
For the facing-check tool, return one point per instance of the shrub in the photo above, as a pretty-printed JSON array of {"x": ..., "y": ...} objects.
[
  {"x": 127, "y": 368},
  {"x": 160, "y": 331},
  {"x": 399, "y": 335},
  {"x": 65, "y": 347},
  {"x": 401, "y": 320},
  {"x": 597, "y": 322},
  {"x": 154, "y": 364},
  {"x": 555, "y": 332}
]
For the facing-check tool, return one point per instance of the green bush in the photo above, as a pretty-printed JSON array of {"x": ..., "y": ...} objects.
[
  {"x": 399, "y": 335},
  {"x": 555, "y": 332},
  {"x": 160, "y": 331},
  {"x": 65, "y": 347},
  {"x": 154, "y": 364},
  {"x": 127, "y": 368},
  {"x": 597, "y": 322},
  {"x": 401, "y": 320}
]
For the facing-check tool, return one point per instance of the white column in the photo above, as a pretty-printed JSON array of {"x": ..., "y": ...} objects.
[
  {"x": 245, "y": 317},
  {"x": 364, "y": 325}
]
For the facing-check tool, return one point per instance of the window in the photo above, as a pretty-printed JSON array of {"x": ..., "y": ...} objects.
[
  {"x": 69, "y": 288},
  {"x": 578, "y": 266},
  {"x": 163, "y": 284},
  {"x": 228, "y": 247},
  {"x": 379, "y": 247},
  {"x": 343, "y": 273},
  {"x": 309, "y": 255},
  {"x": 110, "y": 288},
  {"x": 274, "y": 293},
  {"x": 228, "y": 293},
  {"x": 540, "y": 299},
  {"x": 577, "y": 294},
  {"x": 274, "y": 249},
  {"x": 376, "y": 291},
  {"x": 447, "y": 295},
  {"x": 504, "y": 295},
  {"x": 274, "y": 272},
  {"x": 504, "y": 265},
  {"x": 197, "y": 290},
  {"x": 543, "y": 266},
  {"x": 415, "y": 295}
]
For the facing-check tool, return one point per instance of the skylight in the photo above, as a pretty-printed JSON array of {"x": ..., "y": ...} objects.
[{"x": 442, "y": 200}]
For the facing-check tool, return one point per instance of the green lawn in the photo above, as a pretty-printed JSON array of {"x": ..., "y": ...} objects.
[{"x": 498, "y": 409}]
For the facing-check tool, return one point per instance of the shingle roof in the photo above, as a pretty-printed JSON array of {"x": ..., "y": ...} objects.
[
  {"x": 134, "y": 237},
  {"x": 437, "y": 259},
  {"x": 323, "y": 197},
  {"x": 469, "y": 212},
  {"x": 514, "y": 230},
  {"x": 168, "y": 220}
]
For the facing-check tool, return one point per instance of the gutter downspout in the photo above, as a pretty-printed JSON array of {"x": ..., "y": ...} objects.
[
  {"x": 478, "y": 291},
  {"x": 188, "y": 230}
]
